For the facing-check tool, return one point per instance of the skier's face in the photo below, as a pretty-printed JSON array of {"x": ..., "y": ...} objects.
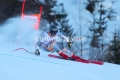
[{"x": 53, "y": 35}]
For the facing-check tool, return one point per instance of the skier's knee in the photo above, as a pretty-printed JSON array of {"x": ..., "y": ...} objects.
[{"x": 64, "y": 50}]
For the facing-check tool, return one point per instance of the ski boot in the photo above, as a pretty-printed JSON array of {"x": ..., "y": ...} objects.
[{"x": 64, "y": 56}]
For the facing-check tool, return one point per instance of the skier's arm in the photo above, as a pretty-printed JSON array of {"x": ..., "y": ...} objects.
[
  {"x": 38, "y": 44},
  {"x": 66, "y": 39},
  {"x": 63, "y": 37},
  {"x": 41, "y": 40},
  {"x": 50, "y": 48}
]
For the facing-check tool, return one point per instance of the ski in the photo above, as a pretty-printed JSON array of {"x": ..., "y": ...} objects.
[{"x": 78, "y": 60}]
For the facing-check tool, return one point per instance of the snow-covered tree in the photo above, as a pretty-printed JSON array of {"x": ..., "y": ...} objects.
[
  {"x": 115, "y": 47},
  {"x": 101, "y": 16}
]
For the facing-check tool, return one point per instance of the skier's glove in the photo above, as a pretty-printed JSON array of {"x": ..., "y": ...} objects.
[
  {"x": 69, "y": 44},
  {"x": 37, "y": 52}
]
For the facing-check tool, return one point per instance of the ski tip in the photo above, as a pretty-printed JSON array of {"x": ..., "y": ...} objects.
[{"x": 97, "y": 62}]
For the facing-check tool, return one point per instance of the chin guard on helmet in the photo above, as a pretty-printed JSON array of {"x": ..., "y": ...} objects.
[{"x": 53, "y": 29}]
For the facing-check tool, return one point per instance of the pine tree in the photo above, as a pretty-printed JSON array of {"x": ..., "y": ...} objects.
[
  {"x": 99, "y": 24},
  {"x": 47, "y": 7},
  {"x": 115, "y": 47},
  {"x": 63, "y": 22}
]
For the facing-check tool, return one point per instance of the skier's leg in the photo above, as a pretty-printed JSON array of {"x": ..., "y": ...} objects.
[
  {"x": 68, "y": 52},
  {"x": 64, "y": 50},
  {"x": 58, "y": 49},
  {"x": 65, "y": 53},
  {"x": 71, "y": 54}
]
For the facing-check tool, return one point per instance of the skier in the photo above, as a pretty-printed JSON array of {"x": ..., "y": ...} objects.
[{"x": 50, "y": 43}]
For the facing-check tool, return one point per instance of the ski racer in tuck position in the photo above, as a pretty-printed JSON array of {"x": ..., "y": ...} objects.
[{"x": 50, "y": 43}]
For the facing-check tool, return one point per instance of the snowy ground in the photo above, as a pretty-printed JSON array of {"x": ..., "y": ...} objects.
[{"x": 20, "y": 65}]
